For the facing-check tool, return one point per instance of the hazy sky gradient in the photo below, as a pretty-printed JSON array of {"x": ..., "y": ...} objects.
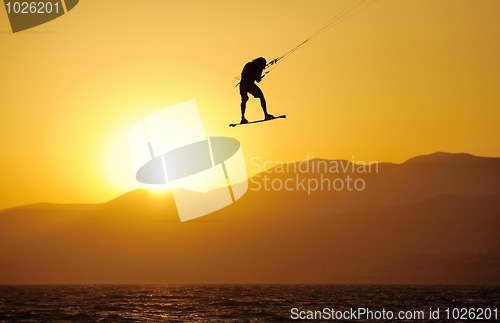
[{"x": 399, "y": 79}]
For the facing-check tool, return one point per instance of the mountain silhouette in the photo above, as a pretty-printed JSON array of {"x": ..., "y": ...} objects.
[
  {"x": 394, "y": 184},
  {"x": 432, "y": 219}
]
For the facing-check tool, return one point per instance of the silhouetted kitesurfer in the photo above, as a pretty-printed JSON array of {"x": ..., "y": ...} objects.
[{"x": 252, "y": 72}]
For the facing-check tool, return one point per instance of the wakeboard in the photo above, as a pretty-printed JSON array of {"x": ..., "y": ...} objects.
[{"x": 240, "y": 124}]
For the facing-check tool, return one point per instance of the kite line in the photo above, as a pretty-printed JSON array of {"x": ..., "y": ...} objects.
[{"x": 352, "y": 9}]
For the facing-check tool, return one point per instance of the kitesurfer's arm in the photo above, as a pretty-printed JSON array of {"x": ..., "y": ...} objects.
[{"x": 259, "y": 76}]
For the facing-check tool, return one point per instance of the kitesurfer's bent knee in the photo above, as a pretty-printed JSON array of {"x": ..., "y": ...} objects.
[
  {"x": 244, "y": 99},
  {"x": 243, "y": 106},
  {"x": 263, "y": 102}
]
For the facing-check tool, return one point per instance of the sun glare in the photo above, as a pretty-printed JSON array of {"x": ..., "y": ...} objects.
[{"x": 159, "y": 190}]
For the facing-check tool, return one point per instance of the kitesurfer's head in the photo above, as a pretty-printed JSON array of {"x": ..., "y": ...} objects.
[{"x": 261, "y": 62}]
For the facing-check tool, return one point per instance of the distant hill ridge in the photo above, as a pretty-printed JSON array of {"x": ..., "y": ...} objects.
[
  {"x": 425, "y": 176},
  {"x": 432, "y": 219}
]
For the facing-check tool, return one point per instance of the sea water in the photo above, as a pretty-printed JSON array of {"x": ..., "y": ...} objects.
[{"x": 239, "y": 303}]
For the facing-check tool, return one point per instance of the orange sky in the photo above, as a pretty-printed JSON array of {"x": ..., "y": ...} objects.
[{"x": 399, "y": 79}]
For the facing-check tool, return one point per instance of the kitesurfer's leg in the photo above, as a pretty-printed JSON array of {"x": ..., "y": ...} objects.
[
  {"x": 263, "y": 103},
  {"x": 257, "y": 93},
  {"x": 244, "y": 99}
]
